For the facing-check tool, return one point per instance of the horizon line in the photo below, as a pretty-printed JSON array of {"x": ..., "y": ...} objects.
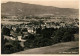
[{"x": 37, "y": 4}]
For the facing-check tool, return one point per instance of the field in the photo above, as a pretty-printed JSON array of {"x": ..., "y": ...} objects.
[{"x": 60, "y": 48}]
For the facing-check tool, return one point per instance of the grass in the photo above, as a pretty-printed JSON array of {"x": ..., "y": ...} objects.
[
  {"x": 76, "y": 37},
  {"x": 59, "y": 48}
]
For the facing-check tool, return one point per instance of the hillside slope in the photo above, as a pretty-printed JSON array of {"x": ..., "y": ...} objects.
[
  {"x": 54, "y": 49},
  {"x": 25, "y": 9}
]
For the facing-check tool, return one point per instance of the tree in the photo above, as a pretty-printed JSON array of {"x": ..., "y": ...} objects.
[
  {"x": 67, "y": 37},
  {"x": 18, "y": 30},
  {"x": 6, "y": 31}
]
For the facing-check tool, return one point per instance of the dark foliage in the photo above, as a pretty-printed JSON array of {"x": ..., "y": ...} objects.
[
  {"x": 6, "y": 31},
  {"x": 47, "y": 32},
  {"x": 44, "y": 37},
  {"x": 38, "y": 30},
  {"x": 18, "y": 30},
  {"x": 24, "y": 30},
  {"x": 38, "y": 42},
  {"x": 11, "y": 47},
  {"x": 64, "y": 35}
]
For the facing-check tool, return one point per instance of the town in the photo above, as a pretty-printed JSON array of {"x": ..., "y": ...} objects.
[{"x": 36, "y": 32}]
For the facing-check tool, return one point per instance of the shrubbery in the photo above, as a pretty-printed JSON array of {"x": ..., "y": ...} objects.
[
  {"x": 18, "y": 30},
  {"x": 38, "y": 42},
  {"x": 46, "y": 37},
  {"x": 6, "y": 31},
  {"x": 64, "y": 35},
  {"x": 11, "y": 47}
]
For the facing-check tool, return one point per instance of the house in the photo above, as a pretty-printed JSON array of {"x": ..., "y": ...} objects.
[
  {"x": 20, "y": 39},
  {"x": 62, "y": 24},
  {"x": 31, "y": 29},
  {"x": 12, "y": 32},
  {"x": 43, "y": 26},
  {"x": 25, "y": 35},
  {"x": 14, "y": 28},
  {"x": 22, "y": 25},
  {"x": 9, "y": 37}
]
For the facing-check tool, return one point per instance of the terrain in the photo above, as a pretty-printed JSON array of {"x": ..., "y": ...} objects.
[
  {"x": 25, "y": 9},
  {"x": 25, "y": 14},
  {"x": 60, "y": 48}
]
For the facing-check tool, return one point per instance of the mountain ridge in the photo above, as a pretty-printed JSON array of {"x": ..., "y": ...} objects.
[{"x": 26, "y": 9}]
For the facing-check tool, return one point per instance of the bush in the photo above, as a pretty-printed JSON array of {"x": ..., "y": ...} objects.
[
  {"x": 47, "y": 32},
  {"x": 45, "y": 42},
  {"x": 7, "y": 49},
  {"x": 11, "y": 47},
  {"x": 6, "y": 31},
  {"x": 18, "y": 30},
  {"x": 38, "y": 42},
  {"x": 24, "y": 30},
  {"x": 63, "y": 35},
  {"x": 67, "y": 37}
]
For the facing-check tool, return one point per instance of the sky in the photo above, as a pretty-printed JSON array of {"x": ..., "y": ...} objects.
[{"x": 57, "y": 3}]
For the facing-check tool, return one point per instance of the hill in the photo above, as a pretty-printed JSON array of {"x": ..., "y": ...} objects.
[{"x": 25, "y": 9}]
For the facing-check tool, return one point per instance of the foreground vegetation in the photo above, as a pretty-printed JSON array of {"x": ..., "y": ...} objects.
[{"x": 42, "y": 38}]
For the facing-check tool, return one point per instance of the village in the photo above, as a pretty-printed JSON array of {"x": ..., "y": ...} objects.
[
  {"x": 39, "y": 27},
  {"x": 32, "y": 29}
]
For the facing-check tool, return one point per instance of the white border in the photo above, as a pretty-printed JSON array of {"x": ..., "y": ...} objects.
[{"x": 40, "y": 54}]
